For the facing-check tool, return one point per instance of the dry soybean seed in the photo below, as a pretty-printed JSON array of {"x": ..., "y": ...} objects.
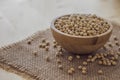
[
  {"x": 104, "y": 54},
  {"x": 119, "y": 48},
  {"x": 112, "y": 58},
  {"x": 118, "y": 53},
  {"x": 112, "y": 53},
  {"x": 43, "y": 40},
  {"x": 100, "y": 62},
  {"x": 35, "y": 53},
  {"x": 47, "y": 58},
  {"x": 84, "y": 72},
  {"x": 99, "y": 56},
  {"x": 58, "y": 61},
  {"x": 29, "y": 42},
  {"x": 93, "y": 60},
  {"x": 88, "y": 60},
  {"x": 43, "y": 45},
  {"x": 100, "y": 72},
  {"x": 104, "y": 47},
  {"x": 46, "y": 48},
  {"x": 78, "y": 56},
  {"x": 84, "y": 68},
  {"x": 57, "y": 54},
  {"x": 47, "y": 43},
  {"x": 117, "y": 43},
  {"x": 85, "y": 63},
  {"x": 104, "y": 62},
  {"x": 109, "y": 63},
  {"x": 70, "y": 58},
  {"x": 60, "y": 66},
  {"x": 40, "y": 46},
  {"x": 90, "y": 56},
  {"x": 110, "y": 44},
  {"x": 55, "y": 46},
  {"x": 116, "y": 57},
  {"x": 103, "y": 58},
  {"x": 60, "y": 53},
  {"x": 54, "y": 42},
  {"x": 60, "y": 49},
  {"x": 80, "y": 67},
  {"x": 70, "y": 72},
  {"x": 72, "y": 69},
  {"x": 114, "y": 63},
  {"x": 115, "y": 38},
  {"x": 95, "y": 57}
]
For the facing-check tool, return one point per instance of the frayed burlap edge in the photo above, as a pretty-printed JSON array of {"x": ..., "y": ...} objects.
[{"x": 16, "y": 70}]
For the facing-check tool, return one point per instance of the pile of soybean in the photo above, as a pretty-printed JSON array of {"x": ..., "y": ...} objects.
[{"x": 82, "y": 25}]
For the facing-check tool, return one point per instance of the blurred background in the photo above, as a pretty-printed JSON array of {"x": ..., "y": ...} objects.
[{"x": 21, "y": 18}]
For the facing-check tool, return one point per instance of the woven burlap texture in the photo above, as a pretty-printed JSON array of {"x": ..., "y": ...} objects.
[{"x": 19, "y": 58}]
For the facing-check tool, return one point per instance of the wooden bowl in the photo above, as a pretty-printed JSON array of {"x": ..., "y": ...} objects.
[{"x": 80, "y": 44}]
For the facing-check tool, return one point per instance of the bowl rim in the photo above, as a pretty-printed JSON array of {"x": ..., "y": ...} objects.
[{"x": 65, "y": 34}]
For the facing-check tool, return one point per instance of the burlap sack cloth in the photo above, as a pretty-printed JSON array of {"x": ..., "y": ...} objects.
[{"x": 19, "y": 58}]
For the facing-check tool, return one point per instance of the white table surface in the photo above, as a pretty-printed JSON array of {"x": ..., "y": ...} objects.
[{"x": 21, "y": 18}]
